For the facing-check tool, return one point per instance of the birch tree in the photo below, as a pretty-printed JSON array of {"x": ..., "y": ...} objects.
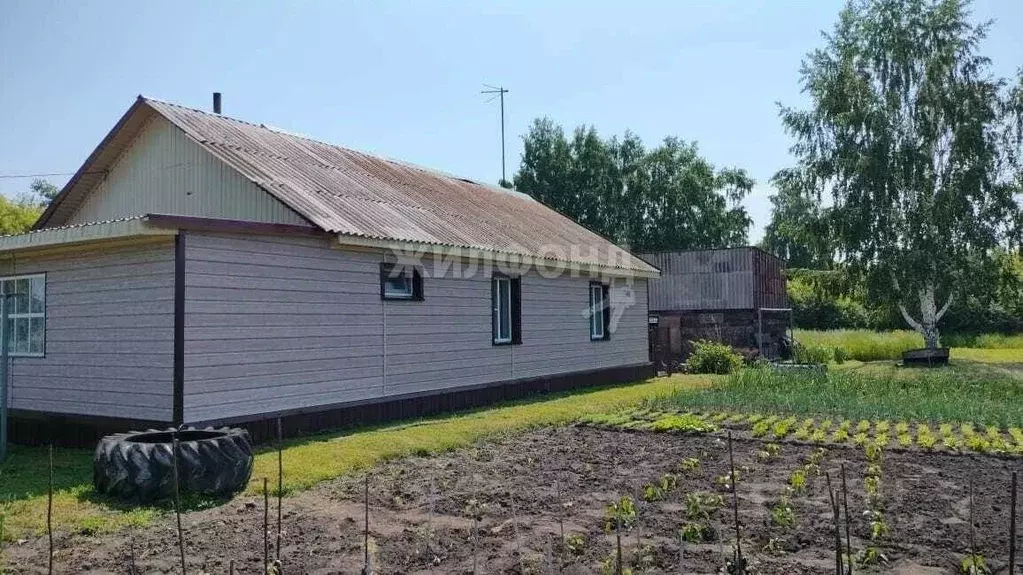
[{"x": 912, "y": 135}]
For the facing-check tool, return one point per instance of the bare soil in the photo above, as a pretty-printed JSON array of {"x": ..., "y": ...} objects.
[{"x": 421, "y": 513}]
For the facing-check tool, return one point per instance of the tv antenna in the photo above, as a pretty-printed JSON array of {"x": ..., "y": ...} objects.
[{"x": 498, "y": 92}]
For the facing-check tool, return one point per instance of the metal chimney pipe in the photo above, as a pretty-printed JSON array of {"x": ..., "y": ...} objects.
[{"x": 216, "y": 102}]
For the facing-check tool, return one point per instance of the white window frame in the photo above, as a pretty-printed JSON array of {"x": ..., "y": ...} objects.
[
  {"x": 502, "y": 314},
  {"x": 408, "y": 293},
  {"x": 598, "y": 307},
  {"x": 12, "y": 317}
]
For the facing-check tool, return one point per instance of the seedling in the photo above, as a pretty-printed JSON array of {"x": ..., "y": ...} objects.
[
  {"x": 782, "y": 513},
  {"x": 797, "y": 481},
  {"x": 782, "y": 428},
  {"x": 817, "y": 455},
  {"x": 725, "y": 481},
  {"x": 773, "y": 448},
  {"x": 951, "y": 443},
  {"x": 863, "y": 426},
  {"x": 682, "y": 424},
  {"x": 690, "y": 464},
  {"x": 905, "y": 441},
  {"x": 576, "y": 544},
  {"x": 924, "y": 437},
  {"x": 881, "y": 440},
  {"x": 870, "y": 556},
  {"x": 874, "y": 451},
  {"x": 619, "y": 515},
  {"x": 702, "y": 505},
  {"x": 859, "y": 439},
  {"x": 825, "y": 425},
  {"x": 902, "y": 428},
  {"x": 974, "y": 564},
  {"x": 881, "y": 427},
  {"x": 878, "y": 528},
  {"x": 818, "y": 436},
  {"x": 840, "y": 435},
  {"x": 693, "y": 532}
]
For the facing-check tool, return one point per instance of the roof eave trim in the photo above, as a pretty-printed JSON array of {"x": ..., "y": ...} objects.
[{"x": 343, "y": 241}]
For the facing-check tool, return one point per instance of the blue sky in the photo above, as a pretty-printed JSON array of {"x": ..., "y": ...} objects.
[{"x": 402, "y": 79}]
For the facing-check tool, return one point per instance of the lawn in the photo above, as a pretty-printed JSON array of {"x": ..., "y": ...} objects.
[
  {"x": 23, "y": 477},
  {"x": 868, "y": 345},
  {"x": 966, "y": 391}
]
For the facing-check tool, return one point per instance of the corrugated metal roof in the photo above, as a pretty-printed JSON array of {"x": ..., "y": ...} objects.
[
  {"x": 87, "y": 232},
  {"x": 359, "y": 195}
]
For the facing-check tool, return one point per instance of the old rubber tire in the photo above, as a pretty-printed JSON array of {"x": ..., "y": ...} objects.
[{"x": 138, "y": 466}]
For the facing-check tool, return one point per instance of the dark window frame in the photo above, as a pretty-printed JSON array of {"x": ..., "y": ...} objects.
[
  {"x": 515, "y": 313},
  {"x": 605, "y": 296},
  {"x": 386, "y": 269}
]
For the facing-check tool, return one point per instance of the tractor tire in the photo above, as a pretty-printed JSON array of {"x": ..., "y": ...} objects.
[{"x": 139, "y": 466}]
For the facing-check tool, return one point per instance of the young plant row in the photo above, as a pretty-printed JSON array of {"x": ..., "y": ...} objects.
[{"x": 949, "y": 437}]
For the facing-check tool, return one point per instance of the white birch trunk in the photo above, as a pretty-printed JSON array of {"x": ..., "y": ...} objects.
[{"x": 930, "y": 315}]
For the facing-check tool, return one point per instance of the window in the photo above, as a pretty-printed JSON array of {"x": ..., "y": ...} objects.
[
  {"x": 507, "y": 317},
  {"x": 599, "y": 312},
  {"x": 400, "y": 282},
  {"x": 26, "y": 314}
]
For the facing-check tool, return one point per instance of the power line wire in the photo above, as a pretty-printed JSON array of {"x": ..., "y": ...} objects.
[{"x": 14, "y": 176}]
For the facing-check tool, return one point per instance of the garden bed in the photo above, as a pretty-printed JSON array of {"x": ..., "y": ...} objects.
[{"x": 522, "y": 488}]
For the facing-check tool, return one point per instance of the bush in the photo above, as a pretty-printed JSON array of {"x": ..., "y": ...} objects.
[
  {"x": 813, "y": 353},
  {"x": 713, "y": 357}
]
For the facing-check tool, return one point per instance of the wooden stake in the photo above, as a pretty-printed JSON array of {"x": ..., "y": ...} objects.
[
  {"x": 133, "y": 568},
  {"x": 973, "y": 539},
  {"x": 681, "y": 551},
  {"x": 735, "y": 508},
  {"x": 618, "y": 540},
  {"x": 561, "y": 511},
  {"x": 848, "y": 540},
  {"x": 518, "y": 541},
  {"x": 1012, "y": 528},
  {"x": 230, "y": 569},
  {"x": 177, "y": 503},
  {"x": 266, "y": 524},
  {"x": 280, "y": 483},
  {"x": 839, "y": 565},
  {"x": 366, "y": 569},
  {"x": 49, "y": 511},
  {"x": 475, "y": 536}
]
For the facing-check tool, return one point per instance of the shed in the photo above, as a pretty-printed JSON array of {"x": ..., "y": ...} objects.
[{"x": 720, "y": 294}]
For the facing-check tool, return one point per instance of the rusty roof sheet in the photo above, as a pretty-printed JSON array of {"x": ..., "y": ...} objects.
[{"x": 360, "y": 195}]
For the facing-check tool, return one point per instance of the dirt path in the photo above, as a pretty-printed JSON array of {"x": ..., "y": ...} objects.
[{"x": 421, "y": 513}]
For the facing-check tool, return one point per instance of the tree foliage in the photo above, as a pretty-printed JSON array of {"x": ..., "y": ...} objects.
[
  {"x": 668, "y": 197},
  {"x": 799, "y": 231},
  {"x": 917, "y": 144},
  {"x": 17, "y": 215}
]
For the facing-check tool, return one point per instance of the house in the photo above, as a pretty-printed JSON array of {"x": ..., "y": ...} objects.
[
  {"x": 735, "y": 295},
  {"x": 203, "y": 270}
]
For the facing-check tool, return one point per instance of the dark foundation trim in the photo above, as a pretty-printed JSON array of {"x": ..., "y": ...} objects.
[
  {"x": 179, "y": 328},
  {"x": 39, "y": 427}
]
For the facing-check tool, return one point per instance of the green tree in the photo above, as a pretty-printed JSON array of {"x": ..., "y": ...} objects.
[
  {"x": 907, "y": 130},
  {"x": 665, "y": 198},
  {"x": 18, "y": 215},
  {"x": 45, "y": 190},
  {"x": 799, "y": 231}
]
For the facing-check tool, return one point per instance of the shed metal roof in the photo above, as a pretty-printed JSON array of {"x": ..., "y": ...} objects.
[{"x": 357, "y": 195}]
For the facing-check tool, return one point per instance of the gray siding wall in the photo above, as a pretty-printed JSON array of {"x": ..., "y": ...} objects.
[
  {"x": 283, "y": 323},
  {"x": 702, "y": 280},
  {"x": 109, "y": 334},
  {"x": 164, "y": 172}
]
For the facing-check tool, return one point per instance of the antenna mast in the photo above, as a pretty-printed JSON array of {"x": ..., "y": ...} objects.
[{"x": 499, "y": 92}]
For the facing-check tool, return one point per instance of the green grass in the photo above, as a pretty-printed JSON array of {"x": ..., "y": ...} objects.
[
  {"x": 23, "y": 477},
  {"x": 985, "y": 341},
  {"x": 867, "y": 345},
  {"x": 965, "y": 391},
  {"x": 863, "y": 344}
]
